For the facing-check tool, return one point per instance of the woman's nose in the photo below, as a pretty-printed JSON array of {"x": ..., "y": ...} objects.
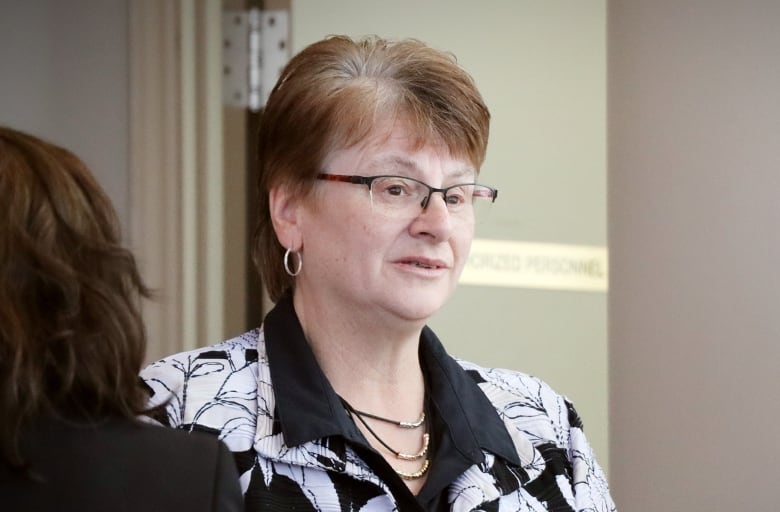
[
  {"x": 427, "y": 199},
  {"x": 434, "y": 218}
]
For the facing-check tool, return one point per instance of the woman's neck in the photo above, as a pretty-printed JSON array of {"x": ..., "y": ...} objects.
[{"x": 373, "y": 363}]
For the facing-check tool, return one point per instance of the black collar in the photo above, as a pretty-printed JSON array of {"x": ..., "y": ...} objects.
[{"x": 309, "y": 408}]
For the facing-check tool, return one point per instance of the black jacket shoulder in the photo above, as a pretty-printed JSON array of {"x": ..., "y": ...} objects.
[{"x": 121, "y": 465}]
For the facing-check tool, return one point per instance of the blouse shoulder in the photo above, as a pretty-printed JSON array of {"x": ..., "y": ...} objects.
[
  {"x": 533, "y": 411},
  {"x": 526, "y": 402},
  {"x": 179, "y": 381}
]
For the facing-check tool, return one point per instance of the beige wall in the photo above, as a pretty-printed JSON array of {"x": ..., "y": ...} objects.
[
  {"x": 64, "y": 77},
  {"x": 693, "y": 185},
  {"x": 694, "y": 178},
  {"x": 541, "y": 67}
]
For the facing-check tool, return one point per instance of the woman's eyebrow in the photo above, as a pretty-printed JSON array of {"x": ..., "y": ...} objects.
[
  {"x": 465, "y": 172},
  {"x": 394, "y": 161},
  {"x": 409, "y": 164}
]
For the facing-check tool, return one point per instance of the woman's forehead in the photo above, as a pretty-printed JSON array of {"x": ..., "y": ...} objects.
[{"x": 393, "y": 142}]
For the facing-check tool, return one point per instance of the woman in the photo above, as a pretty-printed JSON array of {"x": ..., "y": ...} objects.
[
  {"x": 71, "y": 346},
  {"x": 344, "y": 399}
]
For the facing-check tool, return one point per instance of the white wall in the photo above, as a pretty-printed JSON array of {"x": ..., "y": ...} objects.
[
  {"x": 64, "y": 77},
  {"x": 694, "y": 178},
  {"x": 541, "y": 67}
]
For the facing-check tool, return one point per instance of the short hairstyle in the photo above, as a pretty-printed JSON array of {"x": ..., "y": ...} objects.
[
  {"x": 333, "y": 94},
  {"x": 71, "y": 336}
]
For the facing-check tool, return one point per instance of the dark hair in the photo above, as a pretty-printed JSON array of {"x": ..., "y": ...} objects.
[
  {"x": 333, "y": 94},
  {"x": 71, "y": 336}
]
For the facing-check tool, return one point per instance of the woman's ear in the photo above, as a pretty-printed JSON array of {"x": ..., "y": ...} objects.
[{"x": 284, "y": 206}]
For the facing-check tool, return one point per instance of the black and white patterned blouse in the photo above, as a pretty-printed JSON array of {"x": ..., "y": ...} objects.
[{"x": 503, "y": 441}]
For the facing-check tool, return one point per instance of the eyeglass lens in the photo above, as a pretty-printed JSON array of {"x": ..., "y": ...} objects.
[{"x": 407, "y": 194}]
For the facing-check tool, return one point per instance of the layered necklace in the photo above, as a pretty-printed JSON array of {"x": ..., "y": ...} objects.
[{"x": 422, "y": 454}]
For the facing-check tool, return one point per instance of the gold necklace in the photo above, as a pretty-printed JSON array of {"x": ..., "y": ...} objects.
[
  {"x": 415, "y": 475},
  {"x": 398, "y": 454},
  {"x": 402, "y": 424}
]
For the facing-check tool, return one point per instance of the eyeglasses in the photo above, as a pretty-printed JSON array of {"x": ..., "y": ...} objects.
[{"x": 404, "y": 194}]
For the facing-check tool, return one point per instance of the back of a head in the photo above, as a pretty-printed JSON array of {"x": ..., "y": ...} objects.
[
  {"x": 334, "y": 93},
  {"x": 71, "y": 336}
]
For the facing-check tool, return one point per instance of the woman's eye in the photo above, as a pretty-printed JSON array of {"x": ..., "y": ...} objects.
[
  {"x": 456, "y": 197},
  {"x": 394, "y": 190},
  {"x": 395, "y": 187}
]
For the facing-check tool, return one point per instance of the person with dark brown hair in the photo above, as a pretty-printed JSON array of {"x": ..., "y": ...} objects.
[
  {"x": 72, "y": 342},
  {"x": 344, "y": 399}
]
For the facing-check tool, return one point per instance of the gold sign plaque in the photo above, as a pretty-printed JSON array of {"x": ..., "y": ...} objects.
[{"x": 535, "y": 265}]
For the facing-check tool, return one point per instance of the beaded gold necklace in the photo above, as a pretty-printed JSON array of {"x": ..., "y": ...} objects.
[{"x": 422, "y": 453}]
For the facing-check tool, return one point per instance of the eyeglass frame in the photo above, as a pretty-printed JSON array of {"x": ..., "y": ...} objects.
[{"x": 368, "y": 180}]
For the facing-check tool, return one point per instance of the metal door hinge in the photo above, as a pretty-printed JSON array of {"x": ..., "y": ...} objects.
[{"x": 255, "y": 48}]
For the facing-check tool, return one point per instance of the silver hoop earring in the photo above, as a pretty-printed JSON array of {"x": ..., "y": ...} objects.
[{"x": 287, "y": 263}]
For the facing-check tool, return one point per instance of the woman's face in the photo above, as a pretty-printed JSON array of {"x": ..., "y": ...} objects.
[{"x": 368, "y": 260}]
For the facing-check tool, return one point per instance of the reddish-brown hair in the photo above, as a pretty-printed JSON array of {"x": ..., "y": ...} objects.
[
  {"x": 71, "y": 336},
  {"x": 333, "y": 94}
]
